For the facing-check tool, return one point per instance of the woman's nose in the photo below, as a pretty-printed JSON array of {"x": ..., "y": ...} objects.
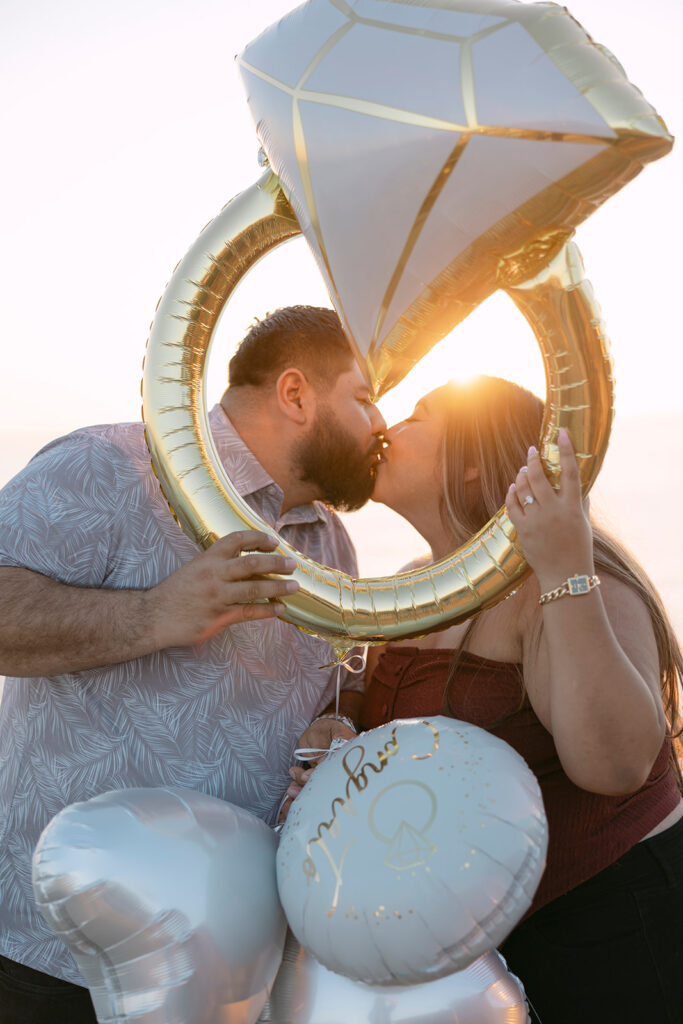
[{"x": 379, "y": 424}]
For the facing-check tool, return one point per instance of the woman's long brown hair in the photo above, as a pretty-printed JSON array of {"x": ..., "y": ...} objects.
[{"x": 490, "y": 424}]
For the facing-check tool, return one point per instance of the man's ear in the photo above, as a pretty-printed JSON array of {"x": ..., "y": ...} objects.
[{"x": 295, "y": 396}]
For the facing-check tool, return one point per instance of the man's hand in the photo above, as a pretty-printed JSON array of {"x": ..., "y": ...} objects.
[
  {"x": 219, "y": 588},
  {"x": 47, "y": 628}
]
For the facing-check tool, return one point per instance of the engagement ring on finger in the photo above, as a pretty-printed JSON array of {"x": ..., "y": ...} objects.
[{"x": 528, "y": 500}]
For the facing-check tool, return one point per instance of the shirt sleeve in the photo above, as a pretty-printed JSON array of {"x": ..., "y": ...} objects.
[{"x": 59, "y": 515}]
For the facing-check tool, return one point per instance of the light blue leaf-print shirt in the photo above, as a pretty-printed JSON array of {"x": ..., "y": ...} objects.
[{"x": 223, "y": 718}]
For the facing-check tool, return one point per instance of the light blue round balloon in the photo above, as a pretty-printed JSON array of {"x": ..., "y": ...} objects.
[{"x": 412, "y": 851}]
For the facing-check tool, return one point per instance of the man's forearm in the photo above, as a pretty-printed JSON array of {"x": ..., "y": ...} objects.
[{"x": 47, "y": 628}]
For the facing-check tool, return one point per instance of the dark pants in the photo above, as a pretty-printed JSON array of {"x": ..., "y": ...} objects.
[
  {"x": 31, "y": 997},
  {"x": 611, "y": 950}
]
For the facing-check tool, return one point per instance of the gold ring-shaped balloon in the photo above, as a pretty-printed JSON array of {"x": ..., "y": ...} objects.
[{"x": 558, "y": 303}]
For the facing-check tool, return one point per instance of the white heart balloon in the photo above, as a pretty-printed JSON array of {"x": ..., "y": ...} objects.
[
  {"x": 167, "y": 899},
  {"x": 412, "y": 851}
]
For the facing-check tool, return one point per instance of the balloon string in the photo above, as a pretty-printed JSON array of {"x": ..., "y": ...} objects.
[
  {"x": 353, "y": 661},
  {"x": 345, "y": 651},
  {"x": 306, "y": 753}
]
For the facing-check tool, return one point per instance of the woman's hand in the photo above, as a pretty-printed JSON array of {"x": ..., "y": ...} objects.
[
  {"x": 317, "y": 738},
  {"x": 299, "y": 777},
  {"x": 320, "y": 733},
  {"x": 593, "y": 677},
  {"x": 552, "y": 526}
]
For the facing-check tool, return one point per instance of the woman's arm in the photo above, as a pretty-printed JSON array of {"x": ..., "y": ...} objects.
[{"x": 593, "y": 679}]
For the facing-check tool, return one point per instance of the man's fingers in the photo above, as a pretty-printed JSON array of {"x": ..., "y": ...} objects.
[
  {"x": 241, "y": 613},
  {"x": 246, "y": 566},
  {"x": 247, "y": 591},
  {"x": 244, "y": 540}
]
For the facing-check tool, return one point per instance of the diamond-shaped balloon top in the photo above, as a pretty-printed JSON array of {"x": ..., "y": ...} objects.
[{"x": 431, "y": 148}]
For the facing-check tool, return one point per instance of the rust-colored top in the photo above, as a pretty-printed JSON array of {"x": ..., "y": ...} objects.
[{"x": 587, "y": 831}]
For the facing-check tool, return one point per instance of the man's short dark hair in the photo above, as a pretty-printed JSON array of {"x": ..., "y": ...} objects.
[{"x": 307, "y": 337}]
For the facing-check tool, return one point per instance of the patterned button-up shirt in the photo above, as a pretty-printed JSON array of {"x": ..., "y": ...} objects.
[{"x": 223, "y": 718}]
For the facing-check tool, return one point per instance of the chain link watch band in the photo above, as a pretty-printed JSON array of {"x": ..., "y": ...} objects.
[{"x": 572, "y": 587}]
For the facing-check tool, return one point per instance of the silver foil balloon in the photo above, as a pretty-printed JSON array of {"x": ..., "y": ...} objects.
[
  {"x": 168, "y": 902},
  {"x": 412, "y": 851},
  {"x": 305, "y": 992}
]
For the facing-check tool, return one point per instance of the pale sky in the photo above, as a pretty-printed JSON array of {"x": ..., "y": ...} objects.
[{"x": 126, "y": 129}]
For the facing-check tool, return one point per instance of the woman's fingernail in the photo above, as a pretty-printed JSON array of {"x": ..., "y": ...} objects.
[
  {"x": 563, "y": 436},
  {"x": 524, "y": 469},
  {"x": 511, "y": 488},
  {"x": 293, "y": 790},
  {"x": 532, "y": 453}
]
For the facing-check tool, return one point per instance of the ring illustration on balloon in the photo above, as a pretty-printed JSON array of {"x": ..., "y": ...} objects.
[{"x": 457, "y": 145}]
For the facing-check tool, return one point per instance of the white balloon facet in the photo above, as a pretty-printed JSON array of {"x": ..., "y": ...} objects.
[
  {"x": 366, "y": 108},
  {"x": 412, "y": 851}
]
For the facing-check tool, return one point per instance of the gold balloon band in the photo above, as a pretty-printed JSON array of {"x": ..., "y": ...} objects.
[{"x": 558, "y": 303}]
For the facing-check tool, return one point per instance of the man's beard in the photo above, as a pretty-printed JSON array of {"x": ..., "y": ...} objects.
[{"x": 330, "y": 458}]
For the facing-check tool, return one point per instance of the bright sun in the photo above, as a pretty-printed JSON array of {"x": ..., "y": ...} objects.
[{"x": 494, "y": 340}]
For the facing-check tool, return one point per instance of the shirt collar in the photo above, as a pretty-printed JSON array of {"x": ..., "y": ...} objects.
[{"x": 248, "y": 476}]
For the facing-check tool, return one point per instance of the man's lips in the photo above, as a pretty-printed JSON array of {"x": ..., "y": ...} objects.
[{"x": 380, "y": 454}]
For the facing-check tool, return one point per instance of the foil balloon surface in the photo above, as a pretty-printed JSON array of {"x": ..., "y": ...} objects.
[
  {"x": 422, "y": 145},
  {"x": 167, "y": 900},
  {"x": 412, "y": 851},
  {"x": 305, "y": 992},
  {"x": 431, "y": 153}
]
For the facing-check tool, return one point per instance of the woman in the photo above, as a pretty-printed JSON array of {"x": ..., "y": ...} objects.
[{"x": 584, "y": 687}]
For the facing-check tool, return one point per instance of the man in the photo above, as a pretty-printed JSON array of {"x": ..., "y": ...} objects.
[{"x": 138, "y": 661}]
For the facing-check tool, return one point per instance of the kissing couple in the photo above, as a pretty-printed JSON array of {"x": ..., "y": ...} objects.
[{"x": 134, "y": 660}]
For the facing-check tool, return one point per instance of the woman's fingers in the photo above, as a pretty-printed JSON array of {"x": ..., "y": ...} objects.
[
  {"x": 300, "y": 775},
  {"x": 512, "y": 503},
  {"x": 532, "y": 487},
  {"x": 570, "y": 481},
  {"x": 527, "y": 489},
  {"x": 542, "y": 488}
]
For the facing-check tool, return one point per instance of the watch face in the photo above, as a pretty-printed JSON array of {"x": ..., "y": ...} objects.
[{"x": 578, "y": 585}]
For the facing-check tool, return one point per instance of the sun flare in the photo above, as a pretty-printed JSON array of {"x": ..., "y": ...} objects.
[{"x": 494, "y": 340}]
